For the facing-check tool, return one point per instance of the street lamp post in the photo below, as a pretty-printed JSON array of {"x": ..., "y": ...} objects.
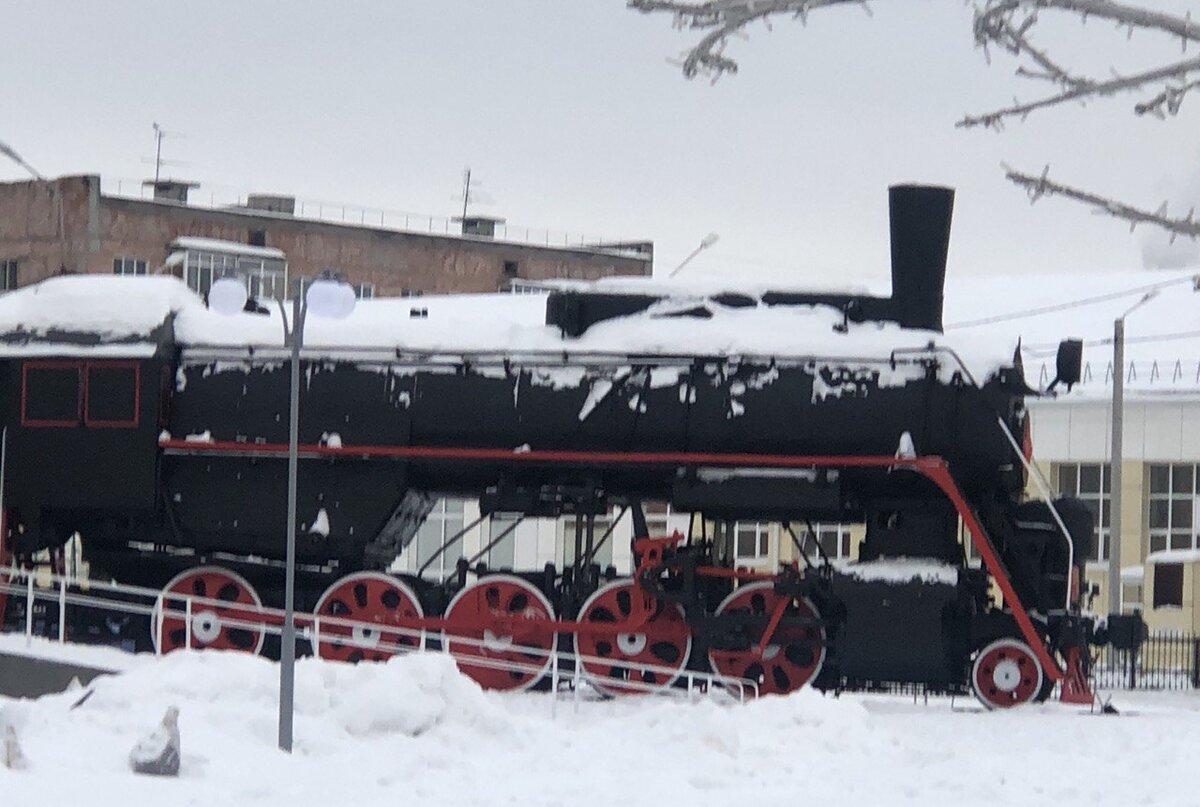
[
  {"x": 1116, "y": 456},
  {"x": 704, "y": 244},
  {"x": 326, "y": 296}
]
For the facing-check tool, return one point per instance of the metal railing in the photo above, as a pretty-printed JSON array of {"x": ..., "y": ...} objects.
[
  {"x": 219, "y": 197},
  {"x": 65, "y": 591},
  {"x": 1164, "y": 661}
]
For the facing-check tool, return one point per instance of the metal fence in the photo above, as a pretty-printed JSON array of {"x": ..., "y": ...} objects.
[{"x": 1164, "y": 661}]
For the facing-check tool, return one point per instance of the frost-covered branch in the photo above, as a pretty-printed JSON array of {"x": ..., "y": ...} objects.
[
  {"x": 1042, "y": 185},
  {"x": 1008, "y": 25},
  {"x": 725, "y": 18},
  {"x": 1005, "y": 25}
]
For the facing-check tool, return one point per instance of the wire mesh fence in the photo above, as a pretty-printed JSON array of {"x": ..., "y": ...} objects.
[{"x": 1164, "y": 661}]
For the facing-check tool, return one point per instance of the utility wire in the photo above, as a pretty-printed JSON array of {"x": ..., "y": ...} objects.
[{"x": 1194, "y": 280}]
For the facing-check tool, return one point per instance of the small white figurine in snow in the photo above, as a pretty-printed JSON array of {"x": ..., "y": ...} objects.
[
  {"x": 157, "y": 753},
  {"x": 13, "y": 758}
]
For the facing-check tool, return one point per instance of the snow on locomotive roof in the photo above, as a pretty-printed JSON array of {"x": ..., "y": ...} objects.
[
  {"x": 93, "y": 315},
  {"x": 121, "y": 315}
]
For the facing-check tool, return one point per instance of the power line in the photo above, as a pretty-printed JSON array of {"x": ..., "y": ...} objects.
[{"x": 1194, "y": 280}]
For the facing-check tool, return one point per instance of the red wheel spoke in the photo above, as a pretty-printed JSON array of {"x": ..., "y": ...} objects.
[
  {"x": 646, "y": 656},
  {"x": 794, "y": 654},
  {"x": 226, "y": 612},
  {"x": 1006, "y": 673},
  {"x": 509, "y": 630},
  {"x": 375, "y": 598}
]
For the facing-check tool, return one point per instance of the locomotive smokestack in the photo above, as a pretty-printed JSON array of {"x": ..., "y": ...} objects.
[{"x": 920, "y": 218}]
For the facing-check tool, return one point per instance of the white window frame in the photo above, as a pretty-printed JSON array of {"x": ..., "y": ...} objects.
[
  {"x": 1100, "y": 499},
  {"x": 566, "y": 539},
  {"x": 8, "y": 274},
  {"x": 445, "y": 512},
  {"x": 126, "y": 266},
  {"x": 839, "y": 533},
  {"x": 1176, "y": 507},
  {"x": 759, "y": 533}
]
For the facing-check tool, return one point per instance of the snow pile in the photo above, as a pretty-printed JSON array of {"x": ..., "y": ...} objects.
[{"x": 415, "y": 731}]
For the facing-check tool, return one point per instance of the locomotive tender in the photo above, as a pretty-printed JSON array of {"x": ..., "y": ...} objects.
[{"x": 156, "y": 429}]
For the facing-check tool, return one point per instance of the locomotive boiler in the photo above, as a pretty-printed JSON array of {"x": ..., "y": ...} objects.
[{"x": 157, "y": 429}]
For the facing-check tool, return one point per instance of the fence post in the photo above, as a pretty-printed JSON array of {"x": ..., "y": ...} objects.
[
  {"x": 1196, "y": 662},
  {"x": 62, "y": 609},
  {"x": 28, "y": 606},
  {"x": 1133, "y": 668}
]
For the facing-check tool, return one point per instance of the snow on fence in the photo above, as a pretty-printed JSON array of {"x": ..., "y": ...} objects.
[{"x": 1164, "y": 661}]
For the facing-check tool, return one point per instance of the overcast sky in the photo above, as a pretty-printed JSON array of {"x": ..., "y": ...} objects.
[{"x": 572, "y": 118}]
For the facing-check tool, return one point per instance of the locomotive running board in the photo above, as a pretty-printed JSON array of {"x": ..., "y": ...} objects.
[{"x": 932, "y": 467}]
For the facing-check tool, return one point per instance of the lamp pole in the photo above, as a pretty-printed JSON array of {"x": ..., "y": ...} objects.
[
  {"x": 704, "y": 244},
  {"x": 326, "y": 296},
  {"x": 287, "y": 650},
  {"x": 1117, "y": 455}
]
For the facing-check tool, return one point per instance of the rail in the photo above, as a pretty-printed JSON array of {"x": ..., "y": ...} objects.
[{"x": 66, "y": 591}]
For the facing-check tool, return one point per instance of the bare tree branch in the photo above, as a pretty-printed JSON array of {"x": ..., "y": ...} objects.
[
  {"x": 1006, "y": 25},
  {"x": 1042, "y": 185}
]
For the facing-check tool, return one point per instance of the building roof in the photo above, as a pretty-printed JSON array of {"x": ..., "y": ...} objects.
[{"x": 188, "y": 242}]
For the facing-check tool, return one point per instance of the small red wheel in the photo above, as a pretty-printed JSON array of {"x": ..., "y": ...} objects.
[
  {"x": 793, "y": 656},
  {"x": 645, "y": 658},
  {"x": 1006, "y": 674},
  {"x": 501, "y": 630},
  {"x": 226, "y": 612},
  {"x": 368, "y": 597}
]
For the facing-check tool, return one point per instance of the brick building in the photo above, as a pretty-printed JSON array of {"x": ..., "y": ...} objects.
[{"x": 70, "y": 225}]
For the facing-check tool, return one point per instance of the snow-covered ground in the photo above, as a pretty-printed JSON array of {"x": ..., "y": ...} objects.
[{"x": 414, "y": 731}]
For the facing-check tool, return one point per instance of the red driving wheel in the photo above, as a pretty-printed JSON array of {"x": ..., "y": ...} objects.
[
  {"x": 791, "y": 658},
  {"x": 386, "y": 607},
  {"x": 501, "y": 630},
  {"x": 639, "y": 652},
  {"x": 226, "y": 612},
  {"x": 1006, "y": 674}
]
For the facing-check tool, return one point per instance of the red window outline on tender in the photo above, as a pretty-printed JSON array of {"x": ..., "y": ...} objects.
[
  {"x": 137, "y": 393},
  {"x": 84, "y": 369},
  {"x": 50, "y": 365}
]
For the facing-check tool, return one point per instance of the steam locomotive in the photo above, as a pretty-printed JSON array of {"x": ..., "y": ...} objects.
[{"x": 156, "y": 429}]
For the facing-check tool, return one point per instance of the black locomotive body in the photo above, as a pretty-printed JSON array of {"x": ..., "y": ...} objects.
[{"x": 165, "y": 451}]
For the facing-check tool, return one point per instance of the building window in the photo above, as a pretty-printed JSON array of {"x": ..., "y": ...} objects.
[
  {"x": 128, "y": 266},
  {"x": 524, "y": 287},
  {"x": 511, "y": 268},
  {"x": 364, "y": 291},
  {"x": 1174, "y": 503},
  {"x": 258, "y": 238},
  {"x": 1089, "y": 482},
  {"x": 265, "y": 277},
  {"x": 1168, "y": 585},
  {"x": 444, "y": 521},
  {"x": 8, "y": 275},
  {"x": 603, "y": 555},
  {"x": 503, "y": 554},
  {"x": 1131, "y": 597},
  {"x": 834, "y": 540},
  {"x": 752, "y": 541}
]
